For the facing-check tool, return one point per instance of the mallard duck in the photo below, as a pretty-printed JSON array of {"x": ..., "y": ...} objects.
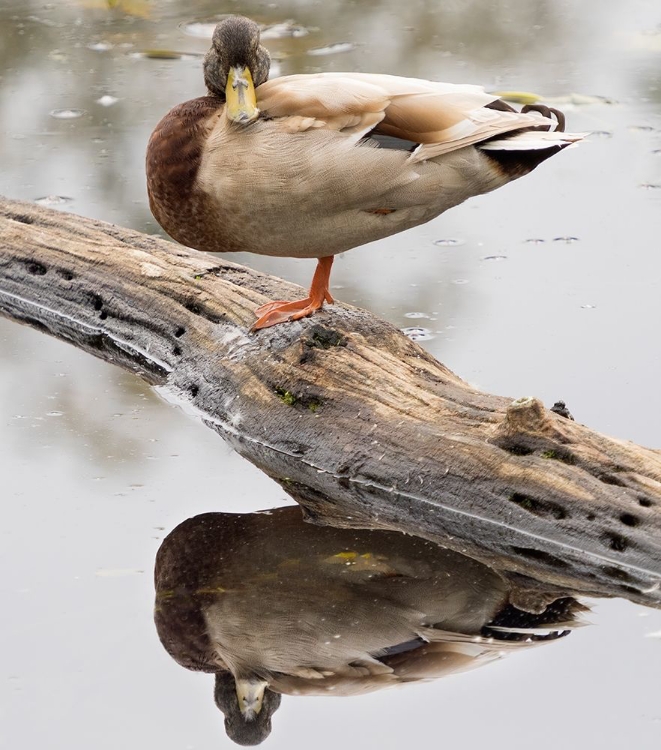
[
  {"x": 271, "y": 605},
  {"x": 309, "y": 166}
]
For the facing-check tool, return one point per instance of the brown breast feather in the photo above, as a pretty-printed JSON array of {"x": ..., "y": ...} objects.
[{"x": 173, "y": 159}]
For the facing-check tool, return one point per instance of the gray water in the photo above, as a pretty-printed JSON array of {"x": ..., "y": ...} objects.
[{"x": 96, "y": 468}]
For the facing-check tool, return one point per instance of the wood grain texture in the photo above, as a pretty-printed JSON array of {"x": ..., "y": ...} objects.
[{"x": 357, "y": 423}]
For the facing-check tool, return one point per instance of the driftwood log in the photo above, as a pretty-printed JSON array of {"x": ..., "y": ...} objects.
[{"x": 357, "y": 423}]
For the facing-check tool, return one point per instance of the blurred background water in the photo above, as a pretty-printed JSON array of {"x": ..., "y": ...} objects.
[{"x": 548, "y": 287}]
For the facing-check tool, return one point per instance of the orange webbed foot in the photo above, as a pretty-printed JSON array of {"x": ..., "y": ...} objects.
[{"x": 280, "y": 311}]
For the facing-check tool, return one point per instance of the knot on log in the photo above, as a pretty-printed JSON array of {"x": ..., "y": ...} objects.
[
  {"x": 529, "y": 427},
  {"x": 529, "y": 599}
]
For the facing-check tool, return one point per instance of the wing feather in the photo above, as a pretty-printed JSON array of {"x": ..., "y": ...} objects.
[{"x": 441, "y": 117}]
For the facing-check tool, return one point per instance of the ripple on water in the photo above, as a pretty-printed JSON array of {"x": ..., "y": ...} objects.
[
  {"x": 450, "y": 242},
  {"x": 566, "y": 240},
  {"x": 284, "y": 29},
  {"x": 642, "y": 128},
  {"x": 164, "y": 54},
  {"x": 417, "y": 333},
  {"x": 332, "y": 49},
  {"x": 53, "y": 200},
  {"x": 534, "y": 241},
  {"x": 495, "y": 257},
  {"x": 67, "y": 114},
  {"x": 203, "y": 28},
  {"x": 199, "y": 29}
]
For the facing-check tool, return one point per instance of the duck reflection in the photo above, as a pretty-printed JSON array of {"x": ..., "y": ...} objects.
[{"x": 272, "y": 605}]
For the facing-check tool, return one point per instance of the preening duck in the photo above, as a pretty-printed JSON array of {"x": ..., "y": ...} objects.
[{"x": 309, "y": 166}]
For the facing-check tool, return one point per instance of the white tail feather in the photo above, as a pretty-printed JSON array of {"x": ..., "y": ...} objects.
[{"x": 531, "y": 140}]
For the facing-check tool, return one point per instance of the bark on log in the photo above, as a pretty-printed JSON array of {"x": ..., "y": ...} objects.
[{"x": 357, "y": 423}]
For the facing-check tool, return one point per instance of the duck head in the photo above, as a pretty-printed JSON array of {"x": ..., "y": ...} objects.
[
  {"x": 235, "y": 65},
  {"x": 248, "y": 705}
]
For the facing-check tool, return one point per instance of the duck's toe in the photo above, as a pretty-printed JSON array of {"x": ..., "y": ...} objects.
[{"x": 274, "y": 313}]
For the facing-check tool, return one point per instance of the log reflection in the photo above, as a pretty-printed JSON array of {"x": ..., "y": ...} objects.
[{"x": 272, "y": 605}]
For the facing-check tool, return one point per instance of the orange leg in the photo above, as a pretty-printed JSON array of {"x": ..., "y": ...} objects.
[{"x": 281, "y": 311}]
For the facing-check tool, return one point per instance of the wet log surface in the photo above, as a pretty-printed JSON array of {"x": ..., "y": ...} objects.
[{"x": 357, "y": 423}]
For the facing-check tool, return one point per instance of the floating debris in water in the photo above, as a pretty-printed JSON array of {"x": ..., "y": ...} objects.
[
  {"x": 566, "y": 240},
  {"x": 450, "y": 242},
  {"x": 416, "y": 333},
  {"x": 107, "y": 100},
  {"x": 283, "y": 30},
  {"x": 535, "y": 241},
  {"x": 53, "y": 200},
  {"x": 100, "y": 46},
  {"x": 67, "y": 114},
  {"x": 495, "y": 257},
  {"x": 416, "y": 315},
  {"x": 332, "y": 49}
]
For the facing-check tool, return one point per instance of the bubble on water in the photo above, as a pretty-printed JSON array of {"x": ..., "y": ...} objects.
[
  {"x": 416, "y": 315},
  {"x": 450, "y": 242},
  {"x": 534, "y": 241},
  {"x": 460, "y": 281},
  {"x": 588, "y": 307},
  {"x": 53, "y": 200},
  {"x": 107, "y": 101},
  {"x": 100, "y": 46},
  {"x": 67, "y": 114},
  {"x": 495, "y": 257},
  {"x": 566, "y": 240},
  {"x": 332, "y": 49},
  {"x": 416, "y": 333}
]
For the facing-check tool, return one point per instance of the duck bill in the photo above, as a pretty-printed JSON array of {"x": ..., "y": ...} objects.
[
  {"x": 251, "y": 696},
  {"x": 240, "y": 95}
]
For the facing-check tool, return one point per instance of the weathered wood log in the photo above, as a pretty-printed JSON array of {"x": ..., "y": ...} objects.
[{"x": 357, "y": 423}]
